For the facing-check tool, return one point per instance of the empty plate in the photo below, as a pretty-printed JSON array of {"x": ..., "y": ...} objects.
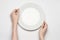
[{"x": 31, "y": 17}]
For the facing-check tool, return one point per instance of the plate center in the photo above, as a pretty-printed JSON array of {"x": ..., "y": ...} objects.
[{"x": 30, "y": 16}]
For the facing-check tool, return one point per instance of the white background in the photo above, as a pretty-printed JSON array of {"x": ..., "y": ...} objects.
[{"x": 52, "y": 11}]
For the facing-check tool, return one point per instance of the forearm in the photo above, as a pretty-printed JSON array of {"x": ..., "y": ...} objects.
[{"x": 14, "y": 32}]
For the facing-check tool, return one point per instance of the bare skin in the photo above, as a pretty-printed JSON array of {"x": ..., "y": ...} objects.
[
  {"x": 15, "y": 17},
  {"x": 43, "y": 30}
]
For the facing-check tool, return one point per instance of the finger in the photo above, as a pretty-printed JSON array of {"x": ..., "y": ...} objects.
[
  {"x": 42, "y": 26},
  {"x": 45, "y": 27},
  {"x": 14, "y": 10},
  {"x": 17, "y": 11}
]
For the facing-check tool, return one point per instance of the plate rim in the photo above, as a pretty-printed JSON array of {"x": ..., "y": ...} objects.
[{"x": 27, "y": 29}]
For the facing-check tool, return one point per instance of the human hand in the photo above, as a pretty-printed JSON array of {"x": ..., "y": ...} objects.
[
  {"x": 15, "y": 16},
  {"x": 43, "y": 30}
]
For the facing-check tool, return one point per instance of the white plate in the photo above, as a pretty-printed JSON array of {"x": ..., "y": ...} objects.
[{"x": 31, "y": 16}]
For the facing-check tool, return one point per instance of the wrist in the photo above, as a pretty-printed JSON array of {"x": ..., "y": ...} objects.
[
  {"x": 14, "y": 25},
  {"x": 41, "y": 37}
]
